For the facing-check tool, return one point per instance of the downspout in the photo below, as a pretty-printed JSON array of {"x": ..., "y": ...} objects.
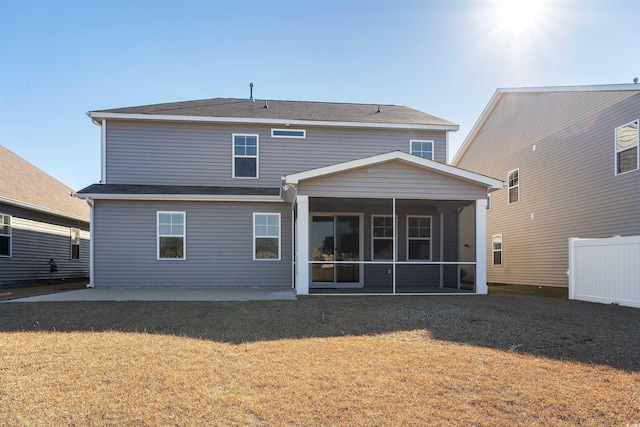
[{"x": 91, "y": 242}]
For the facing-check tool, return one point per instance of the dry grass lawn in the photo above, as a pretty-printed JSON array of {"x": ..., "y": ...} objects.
[{"x": 495, "y": 360}]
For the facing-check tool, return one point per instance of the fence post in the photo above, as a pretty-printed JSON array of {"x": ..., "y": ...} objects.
[{"x": 572, "y": 267}]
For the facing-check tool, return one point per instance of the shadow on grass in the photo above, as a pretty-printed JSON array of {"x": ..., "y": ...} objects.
[{"x": 546, "y": 327}]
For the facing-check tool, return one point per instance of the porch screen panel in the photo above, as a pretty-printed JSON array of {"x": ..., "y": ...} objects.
[
  {"x": 322, "y": 244},
  {"x": 348, "y": 248}
]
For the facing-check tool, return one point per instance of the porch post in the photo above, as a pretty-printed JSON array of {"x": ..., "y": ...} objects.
[
  {"x": 481, "y": 247},
  {"x": 302, "y": 246}
]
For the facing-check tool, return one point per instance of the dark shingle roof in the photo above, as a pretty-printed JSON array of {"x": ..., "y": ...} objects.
[
  {"x": 287, "y": 110},
  {"x": 177, "y": 189},
  {"x": 22, "y": 182}
]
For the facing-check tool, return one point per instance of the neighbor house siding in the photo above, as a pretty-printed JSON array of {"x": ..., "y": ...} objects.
[
  {"x": 392, "y": 179},
  {"x": 568, "y": 186},
  {"x": 219, "y": 245},
  {"x": 159, "y": 153},
  {"x": 35, "y": 239}
]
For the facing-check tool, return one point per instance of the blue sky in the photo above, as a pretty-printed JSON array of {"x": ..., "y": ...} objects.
[{"x": 61, "y": 58}]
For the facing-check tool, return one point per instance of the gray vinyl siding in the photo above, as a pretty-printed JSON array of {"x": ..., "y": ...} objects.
[
  {"x": 219, "y": 245},
  {"x": 35, "y": 239},
  {"x": 160, "y": 153},
  {"x": 392, "y": 179},
  {"x": 568, "y": 183}
]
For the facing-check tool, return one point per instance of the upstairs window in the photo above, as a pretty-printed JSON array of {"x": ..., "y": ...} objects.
[
  {"x": 627, "y": 147},
  {"x": 266, "y": 236},
  {"x": 75, "y": 243},
  {"x": 171, "y": 235},
  {"x": 245, "y": 156},
  {"x": 514, "y": 186},
  {"x": 496, "y": 248},
  {"x": 5, "y": 235},
  {"x": 288, "y": 133},
  {"x": 419, "y": 238},
  {"x": 422, "y": 149}
]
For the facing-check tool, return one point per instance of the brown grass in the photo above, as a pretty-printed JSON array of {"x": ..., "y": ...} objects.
[{"x": 495, "y": 360}]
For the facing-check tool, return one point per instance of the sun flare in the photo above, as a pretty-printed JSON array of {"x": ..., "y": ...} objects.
[{"x": 519, "y": 16}]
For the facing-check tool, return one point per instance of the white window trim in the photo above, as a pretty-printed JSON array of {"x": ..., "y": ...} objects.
[
  {"x": 411, "y": 141},
  {"x": 184, "y": 236},
  {"x": 71, "y": 234},
  {"x": 394, "y": 238},
  {"x": 509, "y": 202},
  {"x": 234, "y": 156},
  {"x": 271, "y": 237},
  {"x": 493, "y": 251},
  {"x": 616, "y": 151},
  {"x": 430, "y": 239},
  {"x": 304, "y": 133},
  {"x": 10, "y": 236}
]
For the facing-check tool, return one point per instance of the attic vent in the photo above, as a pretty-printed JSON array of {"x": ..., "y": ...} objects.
[
  {"x": 378, "y": 109},
  {"x": 251, "y": 93},
  {"x": 266, "y": 105}
]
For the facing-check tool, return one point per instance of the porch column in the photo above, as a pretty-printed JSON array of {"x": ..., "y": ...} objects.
[
  {"x": 302, "y": 246},
  {"x": 481, "y": 247}
]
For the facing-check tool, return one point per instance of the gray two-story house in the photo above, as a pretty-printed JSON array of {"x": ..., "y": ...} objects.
[
  {"x": 569, "y": 157},
  {"x": 321, "y": 197}
]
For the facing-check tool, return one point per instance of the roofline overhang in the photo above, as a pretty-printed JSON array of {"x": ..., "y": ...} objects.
[
  {"x": 179, "y": 197},
  {"x": 498, "y": 95},
  {"x": 96, "y": 115},
  {"x": 492, "y": 184},
  {"x": 41, "y": 209}
]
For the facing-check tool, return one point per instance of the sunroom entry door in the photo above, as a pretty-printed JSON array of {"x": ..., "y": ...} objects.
[{"x": 335, "y": 238}]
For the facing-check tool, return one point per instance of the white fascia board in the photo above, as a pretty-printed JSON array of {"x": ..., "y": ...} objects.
[
  {"x": 207, "y": 119},
  {"x": 37, "y": 208},
  {"x": 493, "y": 184},
  {"x": 476, "y": 128},
  {"x": 180, "y": 197}
]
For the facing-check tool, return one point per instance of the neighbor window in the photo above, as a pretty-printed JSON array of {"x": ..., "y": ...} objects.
[
  {"x": 5, "y": 235},
  {"x": 496, "y": 247},
  {"x": 422, "y": 149},
  {"x": 171, "y": 235},
  {"x": 488, "y": 202},
  {"x": 245, "y": 156},
  {"x": 627, "y": 147},
  {"x": 288, "y": 133},
  {"x": 419, "y": 238},
  {"x": 514, "y": 186},
  {"x": 75, "y": 243},
  {"x": 266, "y": 236},
  {"x": 382, "y": 236}
]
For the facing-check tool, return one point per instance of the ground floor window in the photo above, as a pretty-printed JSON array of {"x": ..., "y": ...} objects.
[
  {"x": 266, "y": 236},
  {"x": 419, "y": 238},
  {"x": 171, "y": 235},
  {"x": 382, "y": 236},
  {"x": 75, "y": 243},
  {"x": 5, "y": 235},
  {"x": 496, "y": 243}
]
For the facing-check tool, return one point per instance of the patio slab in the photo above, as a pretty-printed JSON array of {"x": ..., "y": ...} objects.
[{"x": 164, "y": 294}]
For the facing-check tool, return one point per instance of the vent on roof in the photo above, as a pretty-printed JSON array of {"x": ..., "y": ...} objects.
[
  {"x": 378, "y": 109},
  {"x": 251, "y": 93}
]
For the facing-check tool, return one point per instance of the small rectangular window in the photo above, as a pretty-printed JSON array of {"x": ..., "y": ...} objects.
[
  {"x": 422, "y": 149},
  {"x": 75, "y": 243},
  {"x": 627, "y": 147},
  {"x": 245, "y": 156},
  {"x": 496, "y": 248},
  {"x": 289, "y": 133},
  {"x": 382, "y": 237},
  {"x": 419, "y": 238},
  {"x": 513, "y": 179},
  {"x": 266, "y": 236},
  {"x": 171, "y": 235},
  {"x": 488, "y": 202},
  {"x": 5, "y": 235}
]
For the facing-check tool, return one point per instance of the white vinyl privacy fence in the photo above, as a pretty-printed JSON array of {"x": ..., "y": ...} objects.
[{"x": 605, "y": 270}]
